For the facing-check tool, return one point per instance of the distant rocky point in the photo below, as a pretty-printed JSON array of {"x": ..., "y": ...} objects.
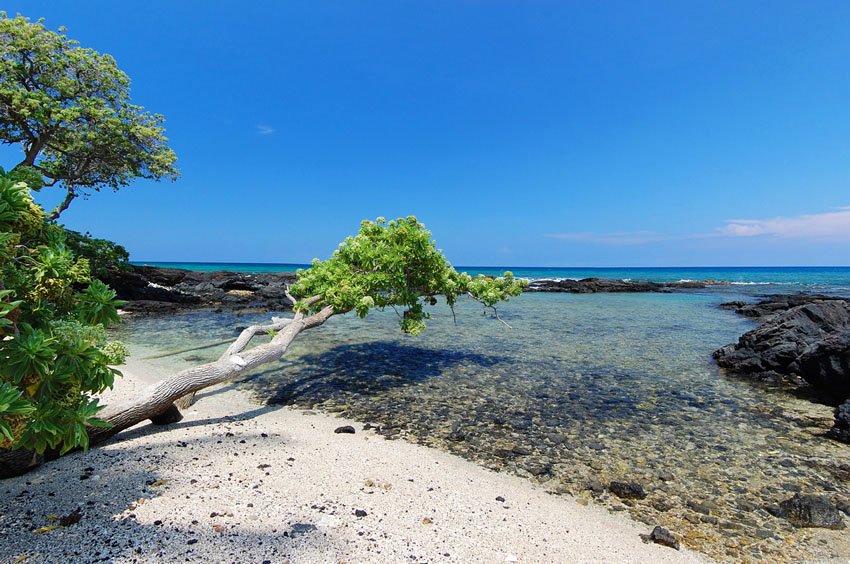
[{"x": 605, "y": 285}]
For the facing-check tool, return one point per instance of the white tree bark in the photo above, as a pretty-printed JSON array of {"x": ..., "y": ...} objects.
[{"x": 160, "y": 397}]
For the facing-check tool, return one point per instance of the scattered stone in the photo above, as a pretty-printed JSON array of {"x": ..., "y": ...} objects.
[
  {"x": 808, "y": 510},
  {"x": 662, "y": 536},
  {"x": 500, "y": 499},
  {"x": 627, "y": 490},
  {"x": 427, "y": 521},
  {"x": 71, "y": 518},
  {"x": 191, "y": 541},
  {"x": 360, "y": 513},
  {"x": 699, "y": 507},
  {"x": 596, "y": 486},
  {"x": 662, "y": 506},
  {"x": 345, "y": 429},
  {"x": 666, "y": 476},
  {"x": 521, "y": 450},
  {"x": 840, "y": 430}
]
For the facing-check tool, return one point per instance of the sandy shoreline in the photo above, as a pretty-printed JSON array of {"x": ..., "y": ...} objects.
[{"x": 237, "y": 482}]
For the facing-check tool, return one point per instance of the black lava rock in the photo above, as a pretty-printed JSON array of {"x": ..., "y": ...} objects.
[
  {"x": 662, "y": 536},
  {"x": 809, "y": 510},
  {"x": 841, "y": 428},
  {"x": 809, "y": 341},
  {"x": 627, "y": 490},
  {"x": 345, "y": 429},
  {"x": 360, "y": 513}
]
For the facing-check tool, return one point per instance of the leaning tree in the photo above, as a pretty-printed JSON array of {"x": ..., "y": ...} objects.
[
  {"x": 391, "y": 264},
  {"x": 69, "y": 110}
]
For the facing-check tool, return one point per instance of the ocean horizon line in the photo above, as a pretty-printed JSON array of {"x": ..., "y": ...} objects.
[{"x": 491, "y": 266}]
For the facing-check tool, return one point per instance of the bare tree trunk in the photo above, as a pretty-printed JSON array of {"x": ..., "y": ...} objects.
[{"x": 157, "y": 401}]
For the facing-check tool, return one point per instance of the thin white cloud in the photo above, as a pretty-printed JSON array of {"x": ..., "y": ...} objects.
[
  {"x": 827, "y": 226},
  {"x": 264, "y": 129},
  {"x": 615, "y": 238}
]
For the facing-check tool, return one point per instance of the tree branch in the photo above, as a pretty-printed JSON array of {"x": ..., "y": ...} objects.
[{"x": 57, "y": 211}]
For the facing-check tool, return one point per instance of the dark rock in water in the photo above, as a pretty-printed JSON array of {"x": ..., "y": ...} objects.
[
  {"x": 537, "y": 468},
  {"x": 809, "y": 341},
  {"x": 809, "y": 510},
  {"x": 345, "y": 429},
  {"x": 841, "y": 428},
  {"x": 775, "y": 303},
  {"x": 662, "y": 536},
  {"x": 599, "y": 285},
  {"x": 596, "y": 486},
  {"x": 699, "y": 507},
  {"x": 457, "y": 436},
  {"x": 627, "y": 490}
]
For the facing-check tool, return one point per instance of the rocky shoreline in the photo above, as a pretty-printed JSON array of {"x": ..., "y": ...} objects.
[
  {"x": 803, "y": 341},
  {"x": 149, "y": 289}
]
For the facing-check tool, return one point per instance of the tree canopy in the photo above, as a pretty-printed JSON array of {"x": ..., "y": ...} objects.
[
  {"x": 394, "y": 264},
  {"x": 69, "y": 109}
]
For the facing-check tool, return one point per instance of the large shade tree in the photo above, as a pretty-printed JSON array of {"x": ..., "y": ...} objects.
[
  {"x": 69, "y": 110},
  {"x": 391, "y": 264}
]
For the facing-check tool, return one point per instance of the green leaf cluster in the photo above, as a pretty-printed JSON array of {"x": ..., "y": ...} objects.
[
  {"x": 394, "y": 264},
  {"x": 69, "y": 109},
  {"x": 104, "y": 256},
  {"x": 54, "y": 350}
]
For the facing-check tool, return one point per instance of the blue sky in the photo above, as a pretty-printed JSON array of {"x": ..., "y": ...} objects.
[{"x": 522, "y": 133}]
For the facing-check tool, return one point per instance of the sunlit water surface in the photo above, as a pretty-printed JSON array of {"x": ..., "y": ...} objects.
[{"x": 582, "y": 390}]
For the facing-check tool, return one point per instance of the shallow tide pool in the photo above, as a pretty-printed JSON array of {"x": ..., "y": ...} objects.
[{"x": 581, "y": 391}]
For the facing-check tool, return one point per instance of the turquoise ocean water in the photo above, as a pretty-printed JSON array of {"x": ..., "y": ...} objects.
[{"x": 582, "y": 389}]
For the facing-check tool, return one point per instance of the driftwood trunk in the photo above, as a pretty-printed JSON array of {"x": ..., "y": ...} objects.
[{"x": 157, "y": 401}]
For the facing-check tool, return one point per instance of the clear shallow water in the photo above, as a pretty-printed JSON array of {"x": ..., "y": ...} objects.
[{"x": 583, "y": 389}]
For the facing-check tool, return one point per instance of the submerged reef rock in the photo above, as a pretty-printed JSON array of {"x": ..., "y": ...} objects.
[
  {"x": 811, "y": 511},
  {"x": 802, "y": 340},
  {"x": 151, "y": 289}
]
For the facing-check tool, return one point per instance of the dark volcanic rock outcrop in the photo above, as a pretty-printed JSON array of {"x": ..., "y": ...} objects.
[
  {"x": 810, "y": 341},
  {"x": 153, "y": 289},
  {"x": 599, "y": 285},
  {"x": 802, "y": 339}
]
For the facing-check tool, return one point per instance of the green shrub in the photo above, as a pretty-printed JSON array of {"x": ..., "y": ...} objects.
[{"x": 54, "y": 351}]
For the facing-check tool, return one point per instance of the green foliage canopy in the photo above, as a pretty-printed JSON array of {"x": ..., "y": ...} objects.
[
  {"x": 54, "y": 353},
  {"x": 394, "y": 264},
  {"x": 69, "y": 108}
]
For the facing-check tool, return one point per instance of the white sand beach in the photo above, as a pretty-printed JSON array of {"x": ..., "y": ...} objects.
[{"x": 238, "y": 482}]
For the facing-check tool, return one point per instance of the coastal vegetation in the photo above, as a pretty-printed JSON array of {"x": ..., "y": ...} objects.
[
  {"x": 56, "y": 348},
  {"x": 69, "y": 109},
  {"x": 54, "y": 352}
]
